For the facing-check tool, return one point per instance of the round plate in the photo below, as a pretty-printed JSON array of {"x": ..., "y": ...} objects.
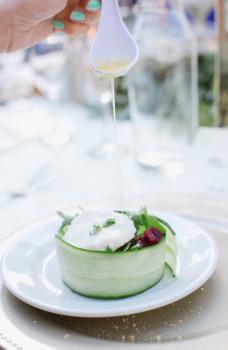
[{"x": 31, "y": 272}]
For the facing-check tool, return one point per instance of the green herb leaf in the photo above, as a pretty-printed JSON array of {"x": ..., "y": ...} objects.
[
  {"x": 137, "y": 219},
  {"x": 67, "y": 220},
  {"x": 153, "y": 222},
  {"x": 163, "y": 222},
  {"x": 144, "y": 220},
  {"x": 145, "y": 217},
  {"x": 140, "y": 231},
  {"x": 81, "y": 208},
  {"x": 65, "y": 217},
  {"x": 95, "y": 229},
  {"x": 124, "y": 212},
  {"x": 109, "y": 222}
]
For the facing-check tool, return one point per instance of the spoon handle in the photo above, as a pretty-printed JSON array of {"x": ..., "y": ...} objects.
[{"x": 110, "y": 12}]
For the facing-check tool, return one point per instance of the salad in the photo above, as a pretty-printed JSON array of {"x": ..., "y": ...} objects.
[{"x": 114, "y": 253}]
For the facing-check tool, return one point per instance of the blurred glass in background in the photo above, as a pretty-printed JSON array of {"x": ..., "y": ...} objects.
[
  {"x": 48, "y": 60},
  {"x": 32, "y": 86},
  {"x": 221, "y": 78},
  {"x": 55, "y": 72},
  {"x": 163, "y": 85},
  {"x": 93, "y": 91}
]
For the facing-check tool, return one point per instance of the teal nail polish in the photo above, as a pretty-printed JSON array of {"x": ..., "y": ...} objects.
[
  {"x": 77, "y": 16},
  {"x": 93, "y": 5},
  {"x": 59, "y": 25}
]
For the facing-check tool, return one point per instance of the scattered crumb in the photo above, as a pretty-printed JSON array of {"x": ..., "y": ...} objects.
[
  {"x": 158, "y": 338},
  {"x": 131, "y": 337},
  {"x": 179, "y": 337}
]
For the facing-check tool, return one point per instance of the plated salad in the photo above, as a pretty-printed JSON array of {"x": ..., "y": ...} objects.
[{"x": 113, "y": 254}]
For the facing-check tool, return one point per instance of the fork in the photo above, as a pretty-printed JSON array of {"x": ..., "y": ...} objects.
[{"x": 36, "y": 181}]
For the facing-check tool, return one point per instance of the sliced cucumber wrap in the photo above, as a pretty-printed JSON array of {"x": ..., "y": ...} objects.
[
  {"x": 171, "y": 251},
  {"x": 111, "y": 274}
]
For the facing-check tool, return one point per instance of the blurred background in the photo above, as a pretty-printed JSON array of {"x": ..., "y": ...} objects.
[
  {"x": 40, "y": 65},
  {"x": 56, "y": 119}
]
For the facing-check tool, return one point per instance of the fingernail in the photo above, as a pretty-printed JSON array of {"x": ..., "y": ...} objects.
[
  {"x": 59, "y": 25},
  {"x": 77, "y": 16},
  {"x": 93, "y": 5}
]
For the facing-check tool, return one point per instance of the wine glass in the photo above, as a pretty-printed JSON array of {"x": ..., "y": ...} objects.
[{"x": 48, "y": 62}]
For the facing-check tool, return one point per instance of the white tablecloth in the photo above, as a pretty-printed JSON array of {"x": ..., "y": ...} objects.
[{"x": 75, "y": 176}]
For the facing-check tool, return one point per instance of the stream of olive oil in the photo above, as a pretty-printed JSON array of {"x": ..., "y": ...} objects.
[
  {"x": 112, "y": 80},
  {"x": 112, "y": 70},
  {"x": 116, "y": 143}
]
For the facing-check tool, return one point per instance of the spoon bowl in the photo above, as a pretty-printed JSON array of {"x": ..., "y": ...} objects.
[{"x": 114, "y": 51}]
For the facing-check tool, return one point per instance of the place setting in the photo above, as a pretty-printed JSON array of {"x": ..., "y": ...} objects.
[{"x": 133, "y": 250}]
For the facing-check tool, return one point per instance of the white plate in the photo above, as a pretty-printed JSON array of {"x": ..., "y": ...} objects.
[{"x": 30, "y": 271}]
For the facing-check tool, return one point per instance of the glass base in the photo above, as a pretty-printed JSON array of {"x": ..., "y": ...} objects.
[
  {"x": 171, "y": 162},
  {"x": 107, "y": 149}
]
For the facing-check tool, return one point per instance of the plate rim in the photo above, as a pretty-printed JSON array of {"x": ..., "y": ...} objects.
[{"x": 201, "y": 280}]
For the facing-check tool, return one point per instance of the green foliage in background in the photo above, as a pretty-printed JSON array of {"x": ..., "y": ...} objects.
[
  {"x": 206, "y": 89},
  {"x": 206, "y": 92}
]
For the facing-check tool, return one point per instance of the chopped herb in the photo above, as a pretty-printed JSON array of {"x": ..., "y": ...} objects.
[
  {"x": 124, "y": 212},
  {"x": 80, "y": 208},
  {"x": 108, "y": 223},
  {"x": 66, "y": 218},
  {"x": 95, "y": 229}
]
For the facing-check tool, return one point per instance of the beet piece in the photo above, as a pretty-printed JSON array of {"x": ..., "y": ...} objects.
[{"x": 151, "y": 236}]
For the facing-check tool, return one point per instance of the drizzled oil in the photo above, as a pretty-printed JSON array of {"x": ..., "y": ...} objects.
[
  {"x": 117, "y": 161},
  {"x": 112, "y": 70}
]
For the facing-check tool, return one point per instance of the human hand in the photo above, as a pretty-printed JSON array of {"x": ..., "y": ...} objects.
[{"x": 25, "y": 22}]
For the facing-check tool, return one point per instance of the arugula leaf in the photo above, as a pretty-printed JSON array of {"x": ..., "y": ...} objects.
[
  {"x": 163, "y": 222},
  {"x": 137, "y": 219},
  {"x": 140, "y": 231},
  {"x": 154, "y": 222},
  {"x": 145, "y": 220}
]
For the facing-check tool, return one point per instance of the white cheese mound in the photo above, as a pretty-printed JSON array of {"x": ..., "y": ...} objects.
[{"x": 80, "y": 232}]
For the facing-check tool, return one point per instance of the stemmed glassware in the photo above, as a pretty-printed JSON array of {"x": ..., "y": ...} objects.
[
  {"x": 163, "y": 87},
  {"x": 48, "y": 62}
]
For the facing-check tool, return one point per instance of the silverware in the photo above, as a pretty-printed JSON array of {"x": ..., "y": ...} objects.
[{"x": 36, "y": 181}]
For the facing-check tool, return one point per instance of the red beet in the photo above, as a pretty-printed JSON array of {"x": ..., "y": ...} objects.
[{"x": 151, "y": 236}]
